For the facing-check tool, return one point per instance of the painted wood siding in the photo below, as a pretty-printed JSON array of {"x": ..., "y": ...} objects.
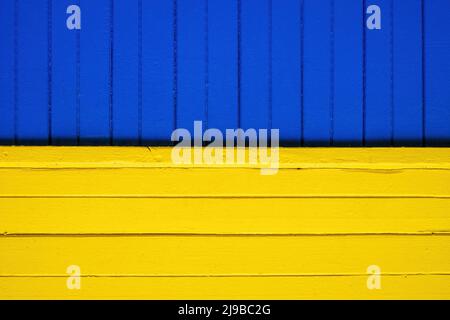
[
  {"x": 139, "y": 226},
  {"x": 137, "y": 69}
]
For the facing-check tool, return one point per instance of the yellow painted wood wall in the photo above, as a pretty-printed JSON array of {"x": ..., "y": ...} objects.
[{"x": 139, "y": 226}]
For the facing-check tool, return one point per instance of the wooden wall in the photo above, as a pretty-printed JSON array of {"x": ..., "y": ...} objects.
[
  {"x": 138, "y": 69},
  {"x": 138, "y": 226}
]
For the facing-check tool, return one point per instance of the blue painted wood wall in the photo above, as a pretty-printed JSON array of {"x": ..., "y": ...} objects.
[{"x": 138, "y": 69}]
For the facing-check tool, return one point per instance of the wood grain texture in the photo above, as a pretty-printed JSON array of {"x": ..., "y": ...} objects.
[
  {"x": 65, "y": 216},
  {"x": 224, "y": 255},
  {"x": 179, "y": 182},
  {"x": 141, "y": 227},
  {"x": 160, "y": 157},
  {"x": 393, "y": 287}
]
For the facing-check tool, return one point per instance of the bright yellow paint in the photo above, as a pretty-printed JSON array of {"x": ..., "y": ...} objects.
[
  {"x": 224, "y": 216},
  {"x": 224, "y": 182},
  {"x": 119, "y": 157},
  {"x": 393, "y": 287},
  {"x": 224, "y": 255},
  {"x": 141, "y": 227}
]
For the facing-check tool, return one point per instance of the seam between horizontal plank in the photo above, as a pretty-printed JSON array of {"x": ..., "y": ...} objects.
[
  {"x": 221, "y": 196},
  {"x": 304, "y": 275},
  {"x": 181, "y": 234},
  {"x": 161, "y": 157},
  {"x": 361, "y": 168}
]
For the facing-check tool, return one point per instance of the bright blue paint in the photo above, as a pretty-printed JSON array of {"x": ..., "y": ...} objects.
[
  {"x": 437, "y": 72},
  {"x": 7, "y": 72},
  {"x": 222, "y": 64},
  {"x": 126, "y": 73},
  {"x": 348, "y": 73},
  {"x": 191, "y": 57},
  {"x": 255, "y": 78},
  {"x": 64, "y": 77},
  {"x": 286, "y": 70},
  {"x": 378, "y": 105},
  {"x": 158, "y": 90},
  {"x": 317, "y": 73},
  {"x": 138, "y": 69},
  {"x": 95, "y": 75},
  {"x": 407, "y": 115},
  {"x": 32, "y": 74}
]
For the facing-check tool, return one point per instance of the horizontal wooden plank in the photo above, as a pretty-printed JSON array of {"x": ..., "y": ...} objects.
[
  {"x": 392, "y": 287},
  {"x": 138, "y": 157},
  {"x": 136, "y": 223},
  {"x": 154, "y": 182},
  {"x": 223, "y": 216},
  {"x": 224, "y": 255}
]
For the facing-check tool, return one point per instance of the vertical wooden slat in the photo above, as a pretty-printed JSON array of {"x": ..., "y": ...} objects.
[
  {"x": 32, "y": 73},
  {"x": 7, "y": 50},
  {"x": 126, "y": 72},
  {"x": 222, "y": 64},
  {"x": 407, "y": 115},
  {"x": 379, "y": 102},
  {"x": 158, "y": 70},
  {"x": 64, "y": 76},
  {"x": 286, "y": 70},
  {"x": 255, "y": 77},
  {"x": 192, "y": 64},
  {"x": 317, "y": 73},
  {"x": 95, "y": 75},
  {"x": 437, "y": 72},
  {"x": 348, "y": 75}
]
